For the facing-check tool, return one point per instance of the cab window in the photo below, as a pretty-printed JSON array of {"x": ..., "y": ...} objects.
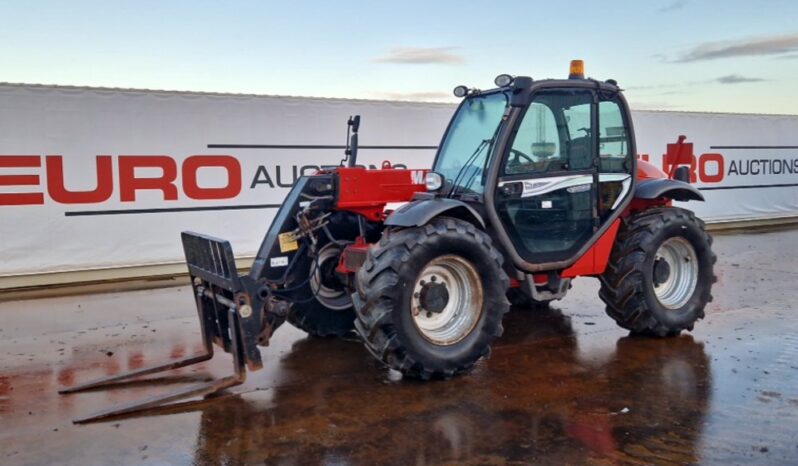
[
  {"x": 554, "y": 134},
  {"x": 613, "y": 137}
]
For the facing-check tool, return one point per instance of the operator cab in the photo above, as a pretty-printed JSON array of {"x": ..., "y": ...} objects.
[{"x": 550, "y": 163}]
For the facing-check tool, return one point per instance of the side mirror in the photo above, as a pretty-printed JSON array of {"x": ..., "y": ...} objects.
[{"x": 354, "y": 122}]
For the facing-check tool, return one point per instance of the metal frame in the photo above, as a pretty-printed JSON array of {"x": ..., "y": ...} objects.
[
  {"x": 520, "y": 102},
  {"x": 157, "y": 401},
  {"x": 520, "y": 93},
  {"x": 232, "y": 309},
  {"x": 224, "y": 321}
]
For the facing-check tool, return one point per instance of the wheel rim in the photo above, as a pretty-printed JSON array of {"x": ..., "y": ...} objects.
[
  {"x": 447, "y": 300},
  {"x": 675, "y": 272},
  {"x": 331, "y": 296}
]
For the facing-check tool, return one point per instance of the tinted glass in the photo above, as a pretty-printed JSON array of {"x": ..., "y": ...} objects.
[
  {"x": 554, "y": 134},
  {"x": 613, "y": 137},
  {"x": 464, "y": 154}
]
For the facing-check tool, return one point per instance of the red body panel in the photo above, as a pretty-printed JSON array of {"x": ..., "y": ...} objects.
[
  {"x": 595, "y": 259},
  {"x": 647, "y": 171},
  {"x": 366, "y": 192},
  {"x": 353, "y": 256}
]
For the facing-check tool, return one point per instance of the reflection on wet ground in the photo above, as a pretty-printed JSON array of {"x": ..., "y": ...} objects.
[{"x": 563, "y": 386}]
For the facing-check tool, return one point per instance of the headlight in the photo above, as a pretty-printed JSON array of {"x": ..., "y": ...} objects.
[
  {"x": 433, "y": 181},
  {"x": 503, "y": 80},
  {"x": 460, "y": 91}
]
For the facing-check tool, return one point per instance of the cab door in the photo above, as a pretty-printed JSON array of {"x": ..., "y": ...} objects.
[{"x": 563, "y": 174}]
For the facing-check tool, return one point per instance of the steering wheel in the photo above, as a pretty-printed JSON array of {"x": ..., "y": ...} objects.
[{"x": 517, "y": 155}]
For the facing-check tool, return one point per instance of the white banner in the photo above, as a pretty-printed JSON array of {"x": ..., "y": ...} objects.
[
  {"x": 93, "y": 178},
  {"x": 745, "y": 165}
]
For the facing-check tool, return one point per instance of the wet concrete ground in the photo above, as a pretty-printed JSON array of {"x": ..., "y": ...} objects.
[{"x": 565, "y": 386}]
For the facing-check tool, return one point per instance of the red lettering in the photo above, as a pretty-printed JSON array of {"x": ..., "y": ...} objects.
[
  {"x": 129, "y": 183},
  {"x": 59, "y": 193},
  {"x": 702, "y": 168},
  {"x": 20, "y": 161},
  {"x": 19, "y": 180},
  {"x": 666, "y": 167},
  {"x": 192, "y": 189},
  {"x": 679, "y": 153}
]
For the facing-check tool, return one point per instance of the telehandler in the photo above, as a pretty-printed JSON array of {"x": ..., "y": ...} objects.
[{"x": 535, "y": 183}]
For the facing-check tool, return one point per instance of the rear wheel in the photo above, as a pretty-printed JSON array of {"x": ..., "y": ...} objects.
[
  {"x": 432, "y": 298},
  {"x": 322, "y": 304},
  {"x": 660, "y": 274}
]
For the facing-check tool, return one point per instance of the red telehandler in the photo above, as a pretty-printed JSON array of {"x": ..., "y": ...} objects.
[{"x": 535, "y": 182}]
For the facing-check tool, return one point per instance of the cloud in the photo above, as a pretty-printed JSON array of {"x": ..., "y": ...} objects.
[
  {"x": 422, "y": 56},
  {"x": 673, "y": 6},
  {"x": 737, "y": 79},
  {"x": 417, "y": 96},
  {"x": 760, "y": 46}
]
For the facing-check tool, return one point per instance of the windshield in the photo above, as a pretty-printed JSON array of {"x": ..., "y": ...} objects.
[{"x": 464, "y": 154}]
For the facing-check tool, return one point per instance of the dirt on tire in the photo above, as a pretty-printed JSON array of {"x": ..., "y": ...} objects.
[
  {"x": 385, "y": 283},
  {"x": 627, "y": 286}
]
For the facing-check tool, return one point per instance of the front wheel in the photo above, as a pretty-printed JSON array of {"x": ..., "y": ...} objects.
[
  {"x": 660, "y": 274},
  {"x": 433, "y": 298}
]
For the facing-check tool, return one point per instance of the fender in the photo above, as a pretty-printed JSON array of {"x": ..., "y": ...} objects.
[
  {"x": 666, "y": 187},
  {"x": 420, "y": 212}
]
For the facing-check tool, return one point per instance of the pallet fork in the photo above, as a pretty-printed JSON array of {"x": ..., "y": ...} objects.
[{"x": 225, "y": 304}]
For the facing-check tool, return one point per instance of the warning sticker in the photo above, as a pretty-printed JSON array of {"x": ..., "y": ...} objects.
[
  {"x": 288, "y": 242},
  {"x": 279, "y": 261}
]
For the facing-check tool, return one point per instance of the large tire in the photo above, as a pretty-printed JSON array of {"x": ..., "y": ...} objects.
[
  {"x": 319, "y": 321},
  {"x": 319, "y": 317},
  {"x": 634, "y": 275},
  {"x": 388, "y": 290}
]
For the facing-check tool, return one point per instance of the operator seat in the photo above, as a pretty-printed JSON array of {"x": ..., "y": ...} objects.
[{"x": 580, "y": 155}]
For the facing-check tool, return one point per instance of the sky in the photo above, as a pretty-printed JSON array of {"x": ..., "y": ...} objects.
[{"x": 721, "y": 56}]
